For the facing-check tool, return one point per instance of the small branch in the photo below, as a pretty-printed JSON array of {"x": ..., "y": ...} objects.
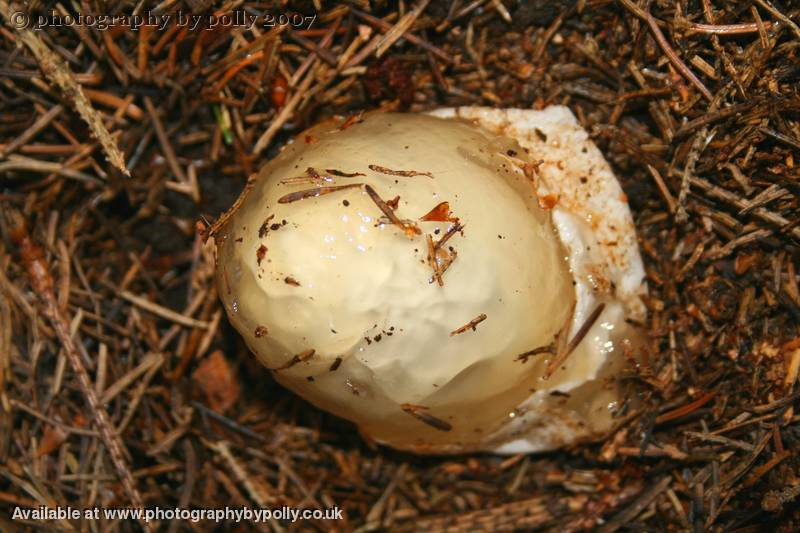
[
  {"x": 573, "y": 343},
  {"x": 42, "y": 283},
  {"x": 410, "y": 37},
  {"x": 472, "y": 324},
  {"x": 59, "y": 74},
  {"x": 41, "y": 123},
  {"x": 399, "y": 29},
  {"x": 724, "y": 29},
  {"x": 688, "y": 172},
  {"x": 629, "y": 514},
  {"x": 163, "y": 139},
  {"x": 665, "y": 46},
  {"x": 286, "y": 112},
  {"x": 163, "y": 312},
  {"x": 780, "y": 16}
]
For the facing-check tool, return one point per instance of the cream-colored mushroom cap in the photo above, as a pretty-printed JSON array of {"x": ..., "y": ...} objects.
[{"x": 402, "y": 271}]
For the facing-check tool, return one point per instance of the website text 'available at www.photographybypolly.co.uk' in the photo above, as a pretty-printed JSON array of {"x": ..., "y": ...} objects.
[{"x": 158, "y": 514}]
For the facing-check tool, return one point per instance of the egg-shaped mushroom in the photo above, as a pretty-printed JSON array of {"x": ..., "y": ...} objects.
[{"x": 445, "y": 282}]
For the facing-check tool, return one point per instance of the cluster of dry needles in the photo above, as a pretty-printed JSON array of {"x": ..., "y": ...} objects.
[{"x": 121, "y": 383}]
